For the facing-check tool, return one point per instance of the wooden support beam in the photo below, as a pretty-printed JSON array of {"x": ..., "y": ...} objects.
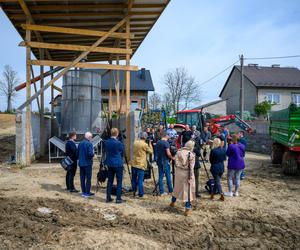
[
  {"x": 42, "y": 111},
  {"x": 57, "y": 88},
  {"x": 79, "y": 15},
  {"x": 57, "y": 46},
  {"x": 117, "y": 82},
  {"x": 73, "y": 7},
  {"x": 73, "y": 63},
  {"x": 28, "y": 107},
  {"x": 110, "y": 94},
  {"x": 127, "y": 82},
  {"x": 52, "y": 107},
  {"x": 35, "y": 88},
  {"x": 81, "y": 32},
  {"x": 85, "y": 65},
  {"x": 31, "y": 21}
]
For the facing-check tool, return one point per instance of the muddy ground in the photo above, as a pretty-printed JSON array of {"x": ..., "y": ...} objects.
[{"x": 265, "y": 216}]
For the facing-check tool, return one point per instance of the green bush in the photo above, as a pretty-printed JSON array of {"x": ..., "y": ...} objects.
[{"x": 263, "y": 108}]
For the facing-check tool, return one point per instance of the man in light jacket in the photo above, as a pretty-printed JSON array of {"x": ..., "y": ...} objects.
[{"x": 139, "y": 163}]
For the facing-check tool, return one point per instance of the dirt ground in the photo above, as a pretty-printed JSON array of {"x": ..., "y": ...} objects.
[
  {"x": 7, "y": 136},
  {"x": 266, "y": 215},
  {"x": 7, "y": 124}
]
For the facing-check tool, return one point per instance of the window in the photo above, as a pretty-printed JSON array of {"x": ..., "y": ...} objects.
[
  {"x": 273, "y": 98},
  {"x": 143, "y": 103},
  {"x": 104, "y": 104},
  {"x": 296, "y": 98},
  {"x": 134, "y": 105}
]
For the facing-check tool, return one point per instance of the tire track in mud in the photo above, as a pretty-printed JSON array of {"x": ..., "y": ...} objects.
[{"x": 22, "y": 226}]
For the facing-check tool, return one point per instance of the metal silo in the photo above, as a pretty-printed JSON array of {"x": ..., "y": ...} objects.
[{"x": 81, "y": 102}]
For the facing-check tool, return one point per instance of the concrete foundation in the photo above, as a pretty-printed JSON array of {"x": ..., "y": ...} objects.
[{"x": 35, "y": 136}]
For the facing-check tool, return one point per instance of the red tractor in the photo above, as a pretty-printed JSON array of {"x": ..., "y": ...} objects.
[{"x": 200, "y": 119}]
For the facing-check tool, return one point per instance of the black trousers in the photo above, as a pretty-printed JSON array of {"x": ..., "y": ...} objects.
[
  {"x": 70, "y": 177},
  {"x": 197, "y": 181}
]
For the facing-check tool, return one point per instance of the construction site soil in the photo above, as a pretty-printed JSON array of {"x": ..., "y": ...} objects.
[{"x": 37, "y": 213}]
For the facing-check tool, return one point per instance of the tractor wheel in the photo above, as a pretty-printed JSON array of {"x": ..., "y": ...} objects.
[
  {"x": 276, "y": 154},
  {"x": 289, "y": 164}
]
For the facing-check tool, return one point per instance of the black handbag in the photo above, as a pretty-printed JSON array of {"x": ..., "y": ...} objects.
[
  {"x": 102, "y": 173},
  {"x": 66, "y": 163}
]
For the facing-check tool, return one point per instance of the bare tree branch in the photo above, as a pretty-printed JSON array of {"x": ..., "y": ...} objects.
[
  {"x": 8, "y": 83},
  {"x": 181, "y": 87},
  {"x": 154, "y": 101}
]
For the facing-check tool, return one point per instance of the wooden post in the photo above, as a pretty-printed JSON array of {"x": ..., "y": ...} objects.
[
  {"x": 117, "y": 84},
  {"x": 52, "y": 106},
  {"x": 110, "y": 94},
  {"x": 42, "y": 111},
  {"x": 28, "y": 95},
  {"x": 127, "y": 81}
]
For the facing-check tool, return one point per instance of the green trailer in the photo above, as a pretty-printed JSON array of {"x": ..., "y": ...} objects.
[{"x": 285, "y": 133}]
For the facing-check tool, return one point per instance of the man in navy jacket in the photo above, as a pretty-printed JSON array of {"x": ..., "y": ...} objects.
[
  {"x": 85, "y": 155},
  {"x": 71, "y": 151},
  {"x": 114, "y": 161}
]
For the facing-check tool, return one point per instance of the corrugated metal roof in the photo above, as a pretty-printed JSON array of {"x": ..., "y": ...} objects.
[{"x": 85, "y": 14}]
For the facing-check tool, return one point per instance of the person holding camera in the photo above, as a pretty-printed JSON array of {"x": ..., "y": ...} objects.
[
  {"x": 71, "y": 151},
  {"x": 163, "y": 158},
  {"x": 139, "y": 163},
  {"x": 184, "y": 189},
  {"x": 206, "y": 137}
]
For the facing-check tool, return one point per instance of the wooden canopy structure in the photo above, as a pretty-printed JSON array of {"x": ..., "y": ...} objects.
[{"x": 77, "y": 33}]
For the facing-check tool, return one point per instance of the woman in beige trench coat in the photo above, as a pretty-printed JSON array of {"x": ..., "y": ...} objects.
[{"x": 184, "y": 188}]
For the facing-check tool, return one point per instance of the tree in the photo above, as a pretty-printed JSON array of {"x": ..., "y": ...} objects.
[
  {"x": 182, "y": 88},
  {"x": 263, "y": 108},
  {"x": 8, "y": 83},
  {"x": 154, "y": 101}
]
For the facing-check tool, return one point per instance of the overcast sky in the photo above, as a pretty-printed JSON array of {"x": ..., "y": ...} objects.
[{"x": 203, "y": 36}]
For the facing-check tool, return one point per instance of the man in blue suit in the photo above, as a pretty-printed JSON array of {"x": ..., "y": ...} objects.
[
  {"x": 85, "y": 155},
  {"x": 114, "y": 161}
]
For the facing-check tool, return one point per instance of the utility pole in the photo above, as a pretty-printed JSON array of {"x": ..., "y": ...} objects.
[{"x": 242, "y": 87}]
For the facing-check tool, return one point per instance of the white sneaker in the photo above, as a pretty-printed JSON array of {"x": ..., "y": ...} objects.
[
  {"x": 236, "y": 194},
  {"x": 230, "y": 194}
]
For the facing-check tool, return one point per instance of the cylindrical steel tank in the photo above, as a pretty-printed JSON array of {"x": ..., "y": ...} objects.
[{"x": 81, "y": 102}]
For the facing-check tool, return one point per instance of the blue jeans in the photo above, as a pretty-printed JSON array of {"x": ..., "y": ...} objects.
[
  {"x": 138, "y": 180},
  {"x": 217, "y": 186},
  {"x": 164, "y": 169},
  {"x": 236, "y": 175},
  {"x": 85, "y": 179},
  {"x": 187, "y": 204},
  {"x": 112, "y": 172}
]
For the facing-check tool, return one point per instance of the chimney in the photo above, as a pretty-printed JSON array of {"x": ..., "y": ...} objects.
[
  {"x": 143, "y": 74},
  {"x": 253, "y": 65},
  {"x": 275, "y": 65}
]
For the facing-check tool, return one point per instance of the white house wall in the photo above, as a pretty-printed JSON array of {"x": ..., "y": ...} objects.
[{"x": 285, "y": 97}]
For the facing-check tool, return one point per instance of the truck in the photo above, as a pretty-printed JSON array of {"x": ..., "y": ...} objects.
[{"x": 285, "y": 134}]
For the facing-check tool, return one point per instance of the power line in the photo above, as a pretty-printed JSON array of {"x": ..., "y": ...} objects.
[
  {"x": 208, "y": 80},
  {"x": 272, "y": 57}
]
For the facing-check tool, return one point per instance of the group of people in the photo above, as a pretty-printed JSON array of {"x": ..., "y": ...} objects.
[{"x": 184, "y": 152}]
